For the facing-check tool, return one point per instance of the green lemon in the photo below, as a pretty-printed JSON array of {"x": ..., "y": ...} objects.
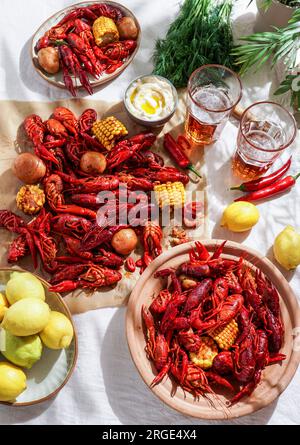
[
  {"x": 287, "y": 248},
  {"x": 21, "y": 351},
  {"x": 240, "y": 216},
  {"x": 26, "y": 317},
  {"x": 23, "y": 285},
  {"x": 58, "y": 333},
  {"x": 12, "y": 382}
]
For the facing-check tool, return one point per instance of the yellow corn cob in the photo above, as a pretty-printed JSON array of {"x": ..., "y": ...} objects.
[
  {"x": 170, "y": 194},
  {"x": 108, "y": 131},
  {"x": 206, "y": 354},
  {"x": 105, "y": 31},
  {"x": 225, "y": 336}
]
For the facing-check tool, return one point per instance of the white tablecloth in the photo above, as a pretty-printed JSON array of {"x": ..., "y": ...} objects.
[{"x": 105, "y": 387}]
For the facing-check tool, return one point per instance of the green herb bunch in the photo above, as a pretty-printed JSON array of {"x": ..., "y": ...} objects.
[{"x": 201, "y": 34}]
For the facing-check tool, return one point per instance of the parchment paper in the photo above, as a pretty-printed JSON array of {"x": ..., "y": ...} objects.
[{"x": 12, "y": 142}]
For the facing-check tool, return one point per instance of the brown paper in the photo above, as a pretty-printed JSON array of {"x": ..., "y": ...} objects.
[{"x": 12, "y": 142}]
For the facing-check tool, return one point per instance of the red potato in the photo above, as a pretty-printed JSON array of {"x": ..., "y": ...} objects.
[
  {"x": 93, "y": 163},
  {"x": 29, "y": 168},
  {"x": 127, "y": 29},
  {"x": 124, "y": 241},
  {"x": 49, "y": 59}
]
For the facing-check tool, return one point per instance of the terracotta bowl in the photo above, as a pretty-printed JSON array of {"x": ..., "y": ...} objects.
[
  {"x": 57, "y": 79},
  {"x": 50, "y": 374},
  {"x": 275, "y": 378}
]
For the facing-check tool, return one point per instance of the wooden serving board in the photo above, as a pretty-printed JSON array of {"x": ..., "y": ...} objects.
[{"x": 12, "y": 142}]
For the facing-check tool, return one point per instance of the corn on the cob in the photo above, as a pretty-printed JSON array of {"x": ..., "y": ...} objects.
[
  {"x": 170, "y": 194},
  {"x": 225, "y": 336},
  {"x": 108, "y": 131},
  {"x": 105, "y": 31},
  {"x": 206, "y": 354}
]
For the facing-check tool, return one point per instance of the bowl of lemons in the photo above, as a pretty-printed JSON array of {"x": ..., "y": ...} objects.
[{"x": 38, "y": 341}]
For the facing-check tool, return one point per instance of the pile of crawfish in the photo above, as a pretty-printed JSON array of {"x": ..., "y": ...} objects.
[
  {"x": 220, "y": 291},
  {"x": 79, "y": 56},
  {"x": 73, "y": 246}
]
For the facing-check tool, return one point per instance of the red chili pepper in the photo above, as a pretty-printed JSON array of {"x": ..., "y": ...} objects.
[
  {"x": 183, "y": 142},
  {"x": 261, "y": 183},
  {"x": 177, "y": 154},
  {"x": 278, "y": 187}
]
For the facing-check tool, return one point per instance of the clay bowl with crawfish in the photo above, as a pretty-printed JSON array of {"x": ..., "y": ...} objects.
[
  {"x": 57, "y": 79},
  {"x": 275, "y": 378},
  {"x": 50, "y": 374}
]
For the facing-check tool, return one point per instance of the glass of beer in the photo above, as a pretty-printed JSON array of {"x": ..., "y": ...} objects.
[
  {"x": 266, "y": 130},
  {"x": 213, "y": 91}
]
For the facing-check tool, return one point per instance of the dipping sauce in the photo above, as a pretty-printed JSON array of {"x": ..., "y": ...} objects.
[{"x": 151, "y": 98}]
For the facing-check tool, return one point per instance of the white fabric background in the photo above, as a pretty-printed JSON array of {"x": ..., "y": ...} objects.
[{"x": 105, "y": 387}]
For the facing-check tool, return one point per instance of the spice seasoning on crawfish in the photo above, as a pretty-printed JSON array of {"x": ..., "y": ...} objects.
[
  {"x": 178, "y": 155},
  {"x": 265, "y": 181},
  {"x": 280, "y": 186},
  {"x": 212, "y": 334}
]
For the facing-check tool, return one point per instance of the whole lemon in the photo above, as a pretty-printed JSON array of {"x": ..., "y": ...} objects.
[
  {"x": 287, "y": 248},
  {"x": 240, "y": 216},
  {"x": 23, "y": 285},
  {"x": 26, "y": 317},
  {"x": 21, "y": 351},
  {"x": 58, "y": 333},
  {"x": 3, "y": 306},
  {"x": 12, "y": 382}
]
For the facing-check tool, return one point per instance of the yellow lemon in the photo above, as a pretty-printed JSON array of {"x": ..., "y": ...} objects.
[
  {"x": 3, "y": 306},
  {"x": 240, "y": 216},
  {"x": 26, "y": 317},
  {"x": 287, "y": 248},
  {"x": 58, "y": 333},
  {"x": 21, "y": 351},
  {"x": 23, "y": 285},
  {"x": 12, "y": 382}
]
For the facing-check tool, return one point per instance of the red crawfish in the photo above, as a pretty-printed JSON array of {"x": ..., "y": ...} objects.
[
  {"x": 54, "y": 187},
  {"x": 86, "y": 120},
  {"x": 161, "y": 301},
  {"x": 223, "y": 363},
  {"x": 162, "y": 174},
  {"x": 17, "y": 249},
  {"x": 197, "y": 295},
  {"x": 35, "y": 130},
  {"x": 84, "y": 53},
  {"x": 71, "y": 66},
  {"x": 86, "y": 185},
  {"x": 134, "y": 183},
  {"x": 190, "y": 341},
  {"x": 172, "y": 311},
  {"x": 84, "y": 30},
  {"x": 59, "y": 32},
  {"x": 56, "y": 128},
  {"x": 99, "y": 235},
  {"x": 175, "y": 284},
  {"x": 195, "y": 381},
  {"x": 67, "y": 118},
  {"x": 151, "y": 239},
  {"x": 156, "y": 348},
  {"x": 119, "y": 51},
  {"x": 226, "y": 312},
  {"x": 13, "y": 223},
  {"x": 128, "y": 147},
  {"x": 94, "y": 277},
  {"x": 68, "y": 224}
]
